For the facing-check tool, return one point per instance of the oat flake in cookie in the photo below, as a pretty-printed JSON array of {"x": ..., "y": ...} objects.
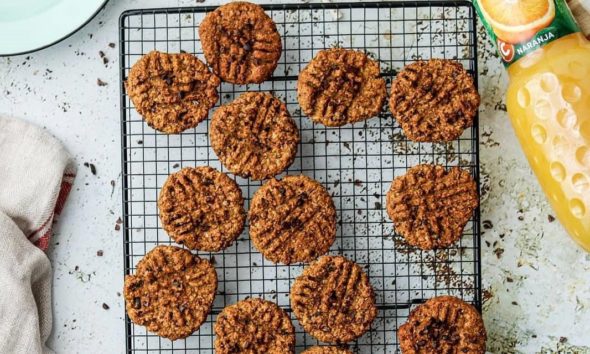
[
  {"x": 202, "y": 208},
  {"x": 430, "y": 206},
  {"x": 254, "y": 326},
  {"x": 327, "y": 350},
  {"x": 341, "y": 86},
  {"x": 333, "y": 300},
  {"x": 434, "y": 100},
  {"x": 254, "y": 136},
  {"x": 443, "y": 325},
  {"x": 241, "y": 43},
  {"x": 172, "y": 92},
  {"x": 292, "y": 220},
  {"x": 171, "y": 292}
]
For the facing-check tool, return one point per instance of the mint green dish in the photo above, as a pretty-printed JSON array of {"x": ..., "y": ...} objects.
[{"x": 29, "y": 25}]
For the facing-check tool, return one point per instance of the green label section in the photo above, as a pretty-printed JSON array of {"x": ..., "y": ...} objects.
[{"x": 516, "y": 42}]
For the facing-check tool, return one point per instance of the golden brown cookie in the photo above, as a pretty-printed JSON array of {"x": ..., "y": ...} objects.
[
  {"x": 333, "y": 300},
  {"x": 241, "y": 43},
  {"x": 172, "y": 92},
  {"x": 430, "y": 206},
  {"x": 254, "y": 326},
  {"x": 254, "y": 136},
  {"x": 327, "y": 350},
  {"x": 292, "y": 220},
  {"x": 434, "y": 100},
  {"x": 171, "y": 292},
  {"x": 443, "y": 325},
  {"x": 341, "y": 86},
  {"x": 202, "y": 208}
]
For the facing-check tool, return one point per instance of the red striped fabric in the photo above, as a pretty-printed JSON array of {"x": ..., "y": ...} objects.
[{"x": 41, "y": 236}]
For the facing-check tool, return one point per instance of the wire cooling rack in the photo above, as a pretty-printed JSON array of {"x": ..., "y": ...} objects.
[{"x": 356, "y": 163}]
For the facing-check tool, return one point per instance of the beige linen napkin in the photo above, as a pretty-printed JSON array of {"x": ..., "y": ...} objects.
[{"x": 36, "y": 175}]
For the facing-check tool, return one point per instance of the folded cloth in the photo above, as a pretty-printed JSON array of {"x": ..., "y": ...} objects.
[{"x": 36, "y": 175}]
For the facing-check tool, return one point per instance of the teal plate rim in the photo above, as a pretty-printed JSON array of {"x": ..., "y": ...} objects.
[{"x": 18, "y": 36}]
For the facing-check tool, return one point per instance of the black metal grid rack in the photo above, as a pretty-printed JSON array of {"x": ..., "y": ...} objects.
[{"x": 356, "y": 162}]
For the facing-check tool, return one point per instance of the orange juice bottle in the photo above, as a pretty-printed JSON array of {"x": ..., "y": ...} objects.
[{"x": 548, "y": 99}]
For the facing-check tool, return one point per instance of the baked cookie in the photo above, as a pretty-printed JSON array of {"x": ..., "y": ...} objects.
[
  {"x": 434, "y": 100},
  {"x": 171, "y": 292},
  {"x": 202, "y": 208},
  {"x": 254, "y": 326},
  {"x": 241, "y": 43},
  {"x": 327, "y": 350},
  {"x": 443, "y": 325},
  {"x": 254, "y": 136},
  {"x": 333, "y": 300},
  {"x": 430, "y": 206},
  {"x": 292, "y": 220},
  {"x": 341, "y": 86},
  {"x": 172, "y": 92}
]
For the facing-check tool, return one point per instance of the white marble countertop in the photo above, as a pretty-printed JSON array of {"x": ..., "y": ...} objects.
[{"x": 536, "y": 280}]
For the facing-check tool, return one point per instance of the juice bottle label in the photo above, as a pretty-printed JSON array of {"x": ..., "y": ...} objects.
[{"x": 519, "y": 27}]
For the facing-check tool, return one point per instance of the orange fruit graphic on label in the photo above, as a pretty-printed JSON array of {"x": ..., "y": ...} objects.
[
  {"x": 506, "y": 51},
  {"x": 515, "y": 21}
]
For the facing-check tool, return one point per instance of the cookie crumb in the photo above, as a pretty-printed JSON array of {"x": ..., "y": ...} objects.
[
  {"x": 118, "y": 223},
  {"x": 91, "y": 166}
]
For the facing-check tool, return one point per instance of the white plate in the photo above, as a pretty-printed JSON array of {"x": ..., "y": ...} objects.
[{"x": 29, "y": 25}]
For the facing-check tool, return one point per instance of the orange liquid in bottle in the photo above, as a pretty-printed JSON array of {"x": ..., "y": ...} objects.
[{"x": 548, "y": 102}]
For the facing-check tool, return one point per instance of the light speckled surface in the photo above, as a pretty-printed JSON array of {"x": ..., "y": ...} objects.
[{"x": 537, "y": 280}]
